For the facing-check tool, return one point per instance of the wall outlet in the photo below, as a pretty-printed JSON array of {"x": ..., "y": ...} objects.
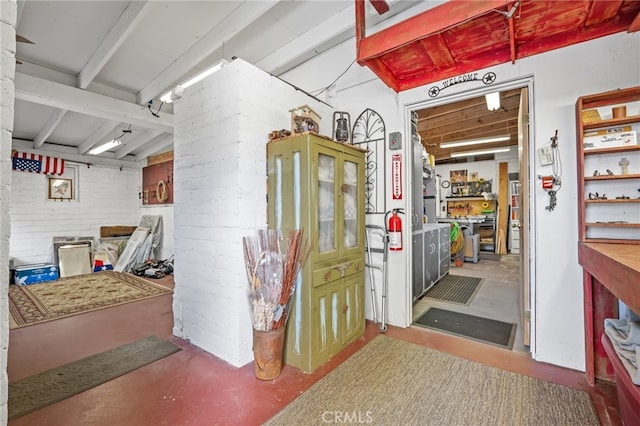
[{"x": 395, "y": 140}]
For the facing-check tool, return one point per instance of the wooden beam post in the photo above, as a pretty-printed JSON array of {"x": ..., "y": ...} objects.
[{"x": 503, "y": 208}]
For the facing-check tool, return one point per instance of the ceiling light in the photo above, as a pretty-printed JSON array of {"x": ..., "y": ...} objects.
[
  {"x": 475, "y": 141},
  {"x": 168, "y": 97},
  {"x": 105, "y": 147},
  {"x": 480, "y": 152},
  {"x": 493, "y": 101}
]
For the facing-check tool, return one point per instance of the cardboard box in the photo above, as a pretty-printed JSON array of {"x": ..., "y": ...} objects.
[
  {"x": 610, "y": 140},
  {"x": 36, "y": 273}
]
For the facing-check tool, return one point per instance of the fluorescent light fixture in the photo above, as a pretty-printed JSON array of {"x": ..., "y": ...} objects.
[
  {"x": 105, "y": 147},
  {"x": 480, "y": 152},
  {"x": 493, "y": 101},
  {"x": 475, "y": 141},
  {"x": 168, "y": 98}
]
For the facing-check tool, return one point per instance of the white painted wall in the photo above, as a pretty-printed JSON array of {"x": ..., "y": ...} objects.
[
  {"x": 221, "y": 129},
  {"x": 7, "y": 90},
  {"x": 106, "y": 196},
  {"x": 560, "y": 77}
]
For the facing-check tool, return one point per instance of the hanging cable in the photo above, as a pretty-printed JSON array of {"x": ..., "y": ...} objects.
[
  {"x": 157, "y": 113},
  {"x": 337, "y": 78}
]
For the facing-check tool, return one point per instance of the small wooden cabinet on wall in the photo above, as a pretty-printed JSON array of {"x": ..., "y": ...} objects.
[
  {"x": 317, "y": 185},
  {"x": 609, "y": 166}
]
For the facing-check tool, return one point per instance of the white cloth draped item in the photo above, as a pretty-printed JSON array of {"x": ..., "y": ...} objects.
[{"x": 625, "y": 337}]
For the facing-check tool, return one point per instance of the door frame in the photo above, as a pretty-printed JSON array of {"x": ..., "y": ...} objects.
[{"x": 517, "y": 83}]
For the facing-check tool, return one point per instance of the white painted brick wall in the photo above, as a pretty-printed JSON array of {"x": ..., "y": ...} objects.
[
  {"x": 221, "y": 132},
  {"x": 106, "y": 196},
  {"x": 7, "y": 91}
]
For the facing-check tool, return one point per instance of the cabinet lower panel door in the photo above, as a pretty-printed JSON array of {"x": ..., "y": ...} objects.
[
  {"x": 327, "y": 308},
  {"x": 353, "y": 310}
]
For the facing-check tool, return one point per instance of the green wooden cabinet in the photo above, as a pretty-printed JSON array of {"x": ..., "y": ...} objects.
[{"x": 317, "y": 185}]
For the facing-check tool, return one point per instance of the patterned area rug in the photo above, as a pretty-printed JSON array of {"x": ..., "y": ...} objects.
[
  {"x": 36, "y": 303},
  {"x": 43, "y": 389},
  {"x": 392, "y": 382}
]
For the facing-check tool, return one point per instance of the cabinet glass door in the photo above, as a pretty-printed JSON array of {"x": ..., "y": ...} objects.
[
  {"x": 350, "y": 204},
  {"x": 326, "y": 203}
]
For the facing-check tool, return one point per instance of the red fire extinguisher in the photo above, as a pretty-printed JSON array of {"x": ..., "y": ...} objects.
[{"x": 394, "y": 230}]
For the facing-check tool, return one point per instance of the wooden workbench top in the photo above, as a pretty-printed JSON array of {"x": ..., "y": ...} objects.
[{"x": 616, "y": 266}]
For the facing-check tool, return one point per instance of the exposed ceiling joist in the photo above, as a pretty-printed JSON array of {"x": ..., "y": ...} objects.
[
  {"x": 40, "y": 91},
  {"x": 163, "y": 143},
  {"x": 97, "y": 136},
  {"x": 137, "y": 142},
  {"x": 131, "y": 16},
  {"x": 48, "y": 128},
  {"x": 306, "y": 42},
  {"x": 241, "y": 17}
]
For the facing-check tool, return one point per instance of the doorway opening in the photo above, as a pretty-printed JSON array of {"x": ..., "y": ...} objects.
[{"x": 475, "y": 178}]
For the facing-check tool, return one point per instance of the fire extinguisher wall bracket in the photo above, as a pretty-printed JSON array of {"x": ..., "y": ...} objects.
[{"x": 394, "y": 229}]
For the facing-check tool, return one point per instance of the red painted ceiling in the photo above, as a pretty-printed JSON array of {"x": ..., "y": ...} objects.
[{"x": 458, "y": 37}]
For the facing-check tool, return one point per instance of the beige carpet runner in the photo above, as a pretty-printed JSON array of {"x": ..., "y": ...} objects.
[
  {"x": 392, "y": 382},
  {"x": 35, "y": 303}
]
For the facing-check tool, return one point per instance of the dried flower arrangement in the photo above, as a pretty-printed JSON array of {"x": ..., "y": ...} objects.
[{"x": 272, "y": 271}]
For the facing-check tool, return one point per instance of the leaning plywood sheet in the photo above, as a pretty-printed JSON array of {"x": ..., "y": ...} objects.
[{"x": 116, "y": 231}]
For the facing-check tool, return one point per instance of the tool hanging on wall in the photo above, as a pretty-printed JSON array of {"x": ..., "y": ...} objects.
[{"x": 552, "y": 183}]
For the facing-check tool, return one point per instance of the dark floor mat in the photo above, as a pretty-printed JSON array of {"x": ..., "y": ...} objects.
[
  {"x": 454, "y": 289},
  {"x": 477, "y": 328},
  {"x": 43, "y": 389}
]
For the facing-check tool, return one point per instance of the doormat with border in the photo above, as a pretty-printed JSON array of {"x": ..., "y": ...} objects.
[
  {"x": 40, "y": 390},
  {"x": 454, "y": 289},
  {"x": 485, "y": 330}
]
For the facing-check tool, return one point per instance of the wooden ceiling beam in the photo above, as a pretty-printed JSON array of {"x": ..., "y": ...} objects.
[
  {"x": 601, "y": 11},
  {"x": 512, "y": 38},
  {"x": 430, "y": 22},
  {"x": 436, "y": 48},
  {"x": 381, "y": 6},
  {"x": 635, "y": 25}
]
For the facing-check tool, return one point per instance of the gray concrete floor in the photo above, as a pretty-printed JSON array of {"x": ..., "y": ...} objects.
[{"x": 497, "y": 298}]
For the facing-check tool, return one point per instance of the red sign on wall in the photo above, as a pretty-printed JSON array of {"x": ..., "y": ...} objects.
[{"x": 396, "y": 176}]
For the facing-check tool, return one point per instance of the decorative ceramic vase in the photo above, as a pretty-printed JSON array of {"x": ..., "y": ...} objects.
[{"x": 268, "y": 349}]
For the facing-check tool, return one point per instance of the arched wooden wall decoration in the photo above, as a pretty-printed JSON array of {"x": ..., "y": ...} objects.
[{"x": 369, "y": 132}]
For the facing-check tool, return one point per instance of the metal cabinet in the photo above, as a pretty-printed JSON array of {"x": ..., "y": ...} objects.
[
  {"x": 431, "y": 256},
  {"x": 317, "y": 185}
]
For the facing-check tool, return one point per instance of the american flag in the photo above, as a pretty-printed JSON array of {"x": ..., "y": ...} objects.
[{"x": 37, "y": 163}]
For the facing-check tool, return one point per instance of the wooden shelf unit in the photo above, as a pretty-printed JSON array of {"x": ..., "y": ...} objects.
[{"x": 623, "y": 213}]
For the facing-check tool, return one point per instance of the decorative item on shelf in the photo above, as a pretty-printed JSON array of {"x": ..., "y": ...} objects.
[
  {"x": 590, "y": 116},
  {"x": 619, "y": 112},
  {"x": 304, "y": 119},
  {"x": 272, "y": 269},
  {"x": 279, "y": 134},
  {"x": 624, "y": 163},
  {"x": 341, "y": 126}
]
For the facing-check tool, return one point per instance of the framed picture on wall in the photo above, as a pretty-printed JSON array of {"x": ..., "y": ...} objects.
[
  {"x": 60, "y": 189},
  {"x": 458, "y": 176}
]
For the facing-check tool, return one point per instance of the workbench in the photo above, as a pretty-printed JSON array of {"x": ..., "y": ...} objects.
[{"x": 611, "y": 272}]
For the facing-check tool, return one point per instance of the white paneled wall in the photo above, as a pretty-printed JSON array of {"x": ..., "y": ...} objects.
[
  {"x": 106, "y": 196},
  {"x": 7, "y": 91},
  {"x": 221, "y": 129}
]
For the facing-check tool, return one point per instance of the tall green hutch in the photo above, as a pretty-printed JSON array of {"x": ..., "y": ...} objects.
[{"x": 317, "y": 185}]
